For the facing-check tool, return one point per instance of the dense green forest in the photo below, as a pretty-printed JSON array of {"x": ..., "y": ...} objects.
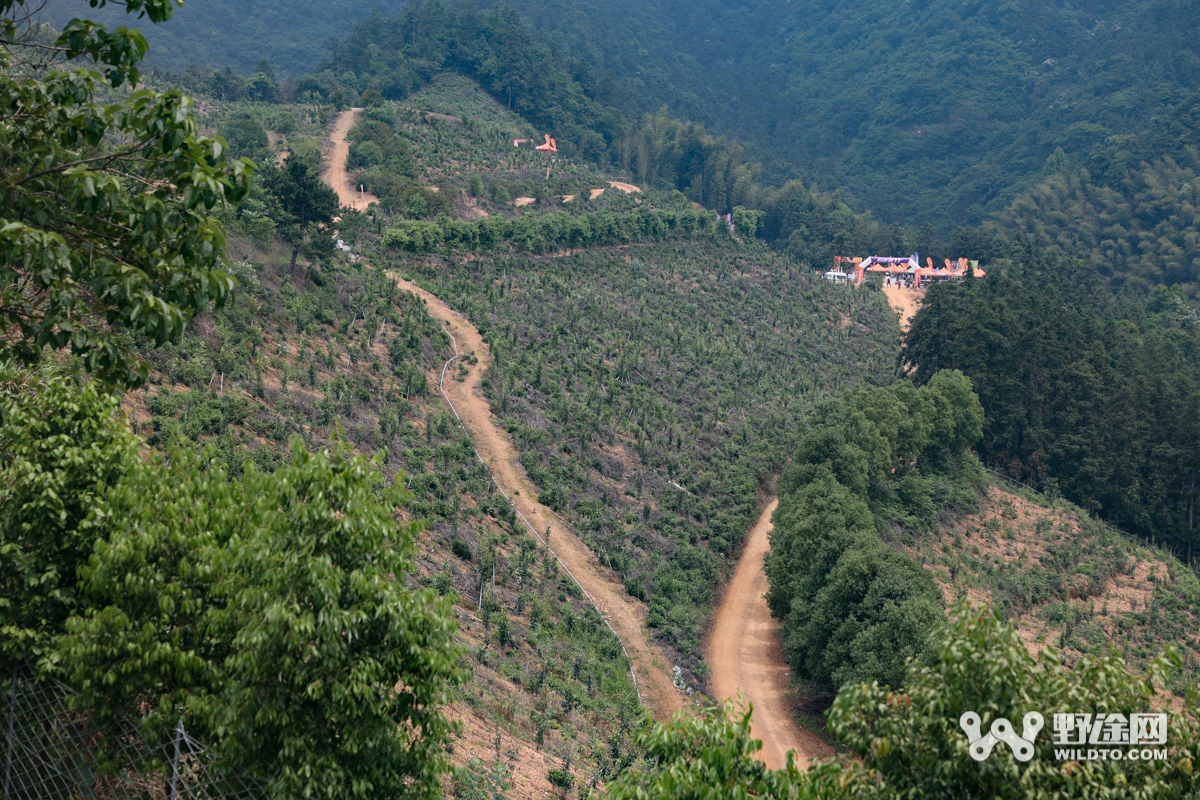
[
  {"x": 232, "y": 33},
  {"x": 852, "y": 608},
  {"x": 1129, "y": 205},
  {"x": 936, "y": 111},
  {"x": 1091, "y": 395}
]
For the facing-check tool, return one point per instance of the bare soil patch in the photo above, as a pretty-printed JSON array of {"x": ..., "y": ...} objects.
[
  {"x": 274, "y": 138},
  {"x": 906, "y": 302},
  {"x": 477, "y": 740},
  {"x": 1012, "y": 537}
]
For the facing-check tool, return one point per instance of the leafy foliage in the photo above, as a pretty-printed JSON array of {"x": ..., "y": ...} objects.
[
  {"x": 707, "y": 755},
  {"x": 272, "y": 612},
  {"x": 538, "y": 233},
  {"x": 852, "y": 608},
  {"x": 60, "y": 448},
  {"x": 106, "y": 227},
  {"x": 911, "y": 744},
  {"x": 309, "y": 204}
]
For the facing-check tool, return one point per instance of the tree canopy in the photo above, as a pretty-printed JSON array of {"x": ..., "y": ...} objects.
[
  {"x": 106, "y": 201},
  {"x": 1090, "y": 395},
  {"x": 269, "y": 612},
  {"x": 852, "y": 607}
]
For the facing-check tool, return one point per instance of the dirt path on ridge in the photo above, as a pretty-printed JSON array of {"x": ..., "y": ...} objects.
[
  {"x": 335, "y": 164},
  {"x": 627, "y": 617},
  {"x": 745, "y": 654},
  {"x": 905, "y": 301}
]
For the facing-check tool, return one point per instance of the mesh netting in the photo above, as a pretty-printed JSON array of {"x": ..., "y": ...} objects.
[{"x": 51, "y": 752}]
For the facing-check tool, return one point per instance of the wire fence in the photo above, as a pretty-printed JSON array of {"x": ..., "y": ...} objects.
[
  {"x": 243, "y": 247},
  {"x": 52, "y": 752}
]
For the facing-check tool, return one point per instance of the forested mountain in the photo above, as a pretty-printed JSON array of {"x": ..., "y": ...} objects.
[
  {"x": 932, "y": 111},
  {"x": 1130, "y": 204},
  {"x": 234, "y": 33}
]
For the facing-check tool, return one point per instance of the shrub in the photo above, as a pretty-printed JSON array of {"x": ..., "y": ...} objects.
[{"x": 561, "y": 778}]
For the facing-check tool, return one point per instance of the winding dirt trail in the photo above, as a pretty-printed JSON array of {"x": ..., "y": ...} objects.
[
  {"x": 335, "y": 160},
  {"x": 745, "y": 655},
  {"x": 495, "y": 447}
]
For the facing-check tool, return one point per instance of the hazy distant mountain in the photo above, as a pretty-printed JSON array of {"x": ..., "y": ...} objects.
[
  {"x": 919, "y": 109},
  {"x": 236, "y": 33},
  {"x": 925, "y": 110}
]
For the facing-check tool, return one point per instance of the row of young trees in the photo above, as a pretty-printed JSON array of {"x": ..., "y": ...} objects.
[
  {"x": 652, "y": 397},
  {"x": 537, "y": 233}
]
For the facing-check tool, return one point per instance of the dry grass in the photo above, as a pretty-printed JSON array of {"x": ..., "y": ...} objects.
[{"x": 1064, "y": 580}]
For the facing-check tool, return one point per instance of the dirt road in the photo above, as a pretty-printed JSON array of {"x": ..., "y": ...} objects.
[
  {"x": 335, "y": 164},
  {"x": 745, "y": 655},
  {"x": 906, "y": 301},
  {"x": 626, "y": 616}
]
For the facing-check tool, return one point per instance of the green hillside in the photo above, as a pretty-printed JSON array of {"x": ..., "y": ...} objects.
[
  {"x": 936, "y": 111},
  {"x": 932, "y": 111}
]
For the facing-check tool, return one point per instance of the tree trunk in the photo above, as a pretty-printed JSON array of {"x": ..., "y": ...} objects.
[{"x": 295, "y": 252}]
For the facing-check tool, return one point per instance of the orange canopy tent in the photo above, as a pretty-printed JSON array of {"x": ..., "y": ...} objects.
[{"x": 924, "y": 274}]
